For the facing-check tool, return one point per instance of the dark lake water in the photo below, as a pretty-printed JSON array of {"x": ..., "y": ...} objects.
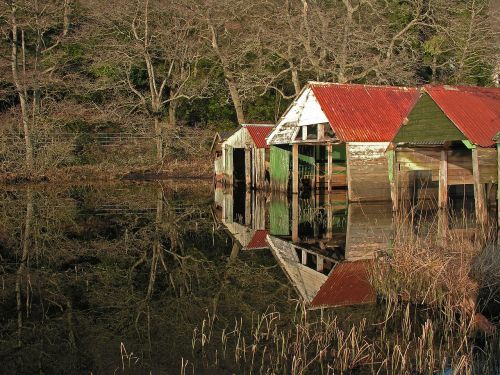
[{"x": 173, "y": 278}]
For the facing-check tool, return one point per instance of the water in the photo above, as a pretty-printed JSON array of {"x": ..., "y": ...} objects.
[{"x": 132, "y": 278}]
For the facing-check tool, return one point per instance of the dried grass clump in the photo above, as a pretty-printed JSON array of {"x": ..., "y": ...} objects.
[{"x": 433, "y": 264}]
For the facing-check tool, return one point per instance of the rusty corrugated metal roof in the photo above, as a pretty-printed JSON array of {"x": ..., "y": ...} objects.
[
  {"x": 258, "y": 241},
  {"x": 364, "y": 113},
  {"x": 346, "y": 285},
  {"x": 259, "y": 134},
  {"x": 474, "y": 110}
]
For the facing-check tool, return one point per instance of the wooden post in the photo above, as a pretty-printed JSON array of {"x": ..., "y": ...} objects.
[
  {"x": 350, "y": 196},
  {"x": 479, "y": 194},
  {"x": 443, "y": 224},
  {"x": 321, "y": 132},
  {"x": 248, "y": 167},
  {"x": 329, "y": 218},
  {"x": 295, "y": 168},
  {"x": 443, "y": 180},
  {"x": 329, "y": 168},
  {"x": 304, "y": 257},
  {"x": 304, "y": 133},
  {"x": 254, "y": 162},
  {"x": 295, "y": 217},
  {"x": 317, "y": 167},
  {"x": 320, "y": 264},
  {"x": 393, "y": 178},
  {"x": 248, "y": 208}
]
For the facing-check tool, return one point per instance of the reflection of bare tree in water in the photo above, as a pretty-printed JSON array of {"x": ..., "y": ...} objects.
[
  {"x": 23, "y": 265},
  {"x": 166, "y": 254}
]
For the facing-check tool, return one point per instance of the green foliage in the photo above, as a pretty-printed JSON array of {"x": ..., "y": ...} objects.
[{"x": 106, "y": 71}]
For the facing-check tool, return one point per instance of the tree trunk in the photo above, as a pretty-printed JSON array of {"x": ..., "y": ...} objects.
[
  {"x": 235, "y": 97},
  {"x": 296, "y": 81},
  {"x": 20, "y": 90},
  {"x": 172, "y": 114}
]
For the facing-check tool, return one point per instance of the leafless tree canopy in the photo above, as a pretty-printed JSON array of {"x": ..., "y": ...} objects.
[{"x": 152, "y": 66}]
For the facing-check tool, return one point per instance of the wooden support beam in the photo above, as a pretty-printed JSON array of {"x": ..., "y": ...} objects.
[
  {"x": 248, "y": 208},
  {"x": 304, "y": 257},
  {"x": 443, "y": 224},
  {"x": 329, "y": 166},
  {"x": 295, "y": 218},
  {"x": 443, "y": 180},
  {"x": 304, "y": 133},
  {"x": 393, "y": 178},
  {"x": 479, "y": 193},
  {"x": 320, "y": 264},
  {"x": 321, "y": 132},
  {"x": 329, "y": 218},
  {"x": 350, "y": 195},
  {"x": 254, "y": 162},
  {"x": 295, "y": 168},
  {"x": 248, "y": 167}
]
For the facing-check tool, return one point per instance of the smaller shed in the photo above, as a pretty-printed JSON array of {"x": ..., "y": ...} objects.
[
  {"x": 446, "y": 140},
  {"x": 244, "y": 156}
]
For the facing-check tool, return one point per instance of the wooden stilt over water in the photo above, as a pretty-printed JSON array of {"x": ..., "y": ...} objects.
[
  {"x": 295, "y": 168},
  {"x": 295, "y": 217},
  {"x": 329, "y": 149},
  {"x": 248, "y": 167},
  {"x": 443, "y": 180},
  {"x": 479, "y": 193},
  {"x": 393, "y": 176}
]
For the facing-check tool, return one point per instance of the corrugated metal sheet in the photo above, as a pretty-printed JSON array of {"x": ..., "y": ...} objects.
[
  {"x": 347, "y": 285},
  {"x": 362, "y": 113},
  {"x": 474, "y": 110},
  {"x": 258, "y": 241},
  {"x": 259, "y": 134}
]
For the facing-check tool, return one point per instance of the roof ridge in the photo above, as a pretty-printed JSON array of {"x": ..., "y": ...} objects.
[{"x": 402, "y": 88}]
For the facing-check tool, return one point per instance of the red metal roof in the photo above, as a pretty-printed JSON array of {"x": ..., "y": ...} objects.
[
  {"x": 474, "y": 110},
  {"x": 259, "y": 134},
  {"x": 347, "y": 285},
  {"x": 258, "y": 241},
  {"x": 363, "y": 113}
]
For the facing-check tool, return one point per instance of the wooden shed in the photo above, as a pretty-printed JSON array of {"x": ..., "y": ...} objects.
[
  {"x": 244, "y": 157},
  {"x": 336, "y": 136},
  {"x": 447, "y": 140}
]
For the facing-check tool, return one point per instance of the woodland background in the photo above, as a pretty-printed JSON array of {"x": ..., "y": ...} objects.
[{"x": 102, "y": 88}]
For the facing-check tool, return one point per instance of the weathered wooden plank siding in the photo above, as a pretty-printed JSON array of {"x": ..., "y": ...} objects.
[
  {"x": 428, "y": 123},
  {"x": 369, "y": 229},
  {"x": 368, "y": 175},
  {"x": 459, "y": 164},
  {"x": 280, "y": 161}
]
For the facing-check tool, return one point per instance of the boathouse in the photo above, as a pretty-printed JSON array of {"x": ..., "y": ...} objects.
[
  {"x": 242, "y": 158},
  {"x": 447, "y": 140},
  {"x": 336, "y": 135}
]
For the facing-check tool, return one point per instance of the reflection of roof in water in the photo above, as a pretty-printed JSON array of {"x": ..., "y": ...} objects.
[
  {"x": 258, "y": 241},
  {"x": 305, "y": 280},
  {"x": 347, "y": 285}
]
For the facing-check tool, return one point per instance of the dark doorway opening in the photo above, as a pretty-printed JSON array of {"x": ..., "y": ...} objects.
[{"x": 239, "y": 165}]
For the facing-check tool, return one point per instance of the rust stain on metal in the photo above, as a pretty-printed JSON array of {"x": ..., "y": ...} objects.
[
  {"x": 474, "y": 110},
  {"x": 363, "y": 113}
]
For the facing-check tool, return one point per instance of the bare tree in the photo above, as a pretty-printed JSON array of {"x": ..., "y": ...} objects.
[
  {"x": 156, "y": 36},
  {"x": 29, "y": 22}
]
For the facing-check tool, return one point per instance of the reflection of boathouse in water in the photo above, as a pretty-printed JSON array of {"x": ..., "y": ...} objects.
[{"x": 328, "y": 258}]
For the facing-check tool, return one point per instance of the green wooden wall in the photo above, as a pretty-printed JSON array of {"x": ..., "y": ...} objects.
[
  {"x": 279, "y": 217},
  {"x": 280, "y": 160},
  {"x": 428, "y": 123}
]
